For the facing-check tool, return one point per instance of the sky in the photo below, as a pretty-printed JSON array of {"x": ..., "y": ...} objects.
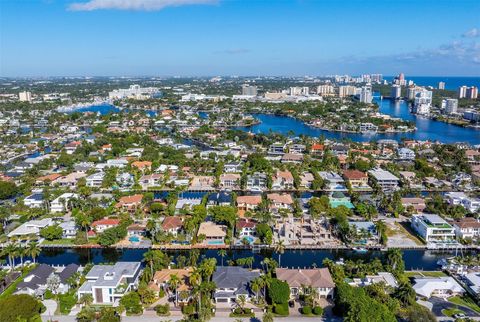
[{"x": 239, "y": 37}]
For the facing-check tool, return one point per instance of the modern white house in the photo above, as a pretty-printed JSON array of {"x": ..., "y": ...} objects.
[
  {"x": 108, "y": 283},
  {"x": 406, "y": 154},
  {"x": 460, "y": 198},
  {"x": 35, "y": 200},
  {"x": 433, "y": 228},
  {"x": 31, "y": 227},
  {"x": 95, "y": 180},
  {"x": 386, "y": 180},
  {"x": 60, "y": 203}
]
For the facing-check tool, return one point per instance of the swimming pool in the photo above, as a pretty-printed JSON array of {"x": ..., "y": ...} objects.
[
  {"x": 215, "y": 242},
  {"x": 134, "y": 239}
]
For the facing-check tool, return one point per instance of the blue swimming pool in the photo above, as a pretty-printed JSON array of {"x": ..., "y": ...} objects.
[
  {"x": 134, "y": 239},
  {"x": 215, "y": 242}
]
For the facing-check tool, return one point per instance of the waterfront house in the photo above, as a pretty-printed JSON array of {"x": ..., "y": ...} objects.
[
  {"x": 300, "y": 279},
  {"x": 443, "y": 287},
  {"x": 31, "y": 227},
  {"x": 365, "y": 230},
  {"x": 230, "y": 181},
  {"x": 108, "y": 283},
  {"x": 104, "y": 224},
  {"x": 282, "y": 180},
  {"x": 472, "y": 280},
  {"x": 460, "y": 198},
  {"x": 185, "y": 202},
  {"x": 221, "y": 198},
  {"x": 381, "y": 277},
  {"x": 433, "y": 228},
  {"x": 386, "y": 180},
  {"x": 339, "y": 150},
  {"x": 214, "y": 233},
  {"x": 334, "y": 182},
  {"x": 257, "y": 181},
  {"x": 276, "y": 148},
  {"x": 248, "y": 203},
  {"x": 338, "y": 198},
  {"x": 172, "y": 225},
  {"x": 35, "y": 282},
  {"x": 69, "y": 229},
  {"x": 467, "y": 227},
  {"x": 130, "y": 203},
  {"x": 245, "y": 227},
  {"x": 232, "y": 282},
  {"x": 202, "y": 183},
  {"x": 306, "y": 180},
  {"x": 358, "y": 180}
]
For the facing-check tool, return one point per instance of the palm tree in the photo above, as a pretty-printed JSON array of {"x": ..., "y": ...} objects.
[
  {"x": 149, "y": 258},
  {"x": 280, "y": 249},
  {"x": 33, "y": 250},
  {"x": 10, "y": 251},
  {"x": 174, "y": 282},
  {"x": 86, "y": 299},
  {"x": 267, "y": 317},
  {"x": 222, "y": 253},
  {"x": 241, "y": 301},
  {"x": 21, "y": 253},
  {"x": 255, "y": 286}
]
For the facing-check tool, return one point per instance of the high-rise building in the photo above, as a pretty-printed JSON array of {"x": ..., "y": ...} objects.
[
  {"x": 249, "y": 90},
  {"x": 472, "y": 93},
  {"x": 423, "y": 102},
  {"x": 366, "y": 94},
  {"x": 412, "y": 91},
  {"x": 295, "y": 91},
  {"x": 325, "y": 89},
  {"x": 376, "y": 78},
  {"x": 134, "y": 91},
  {"x": 462, "y": 91},
  {"x": 441, "y": 85},
  {"x": 450, "y": 105},
  {"x": 346, "y": 90},
  {"x": 25, "y": 96},
  {"x": 305, "y": 90},
  {"x": 396, "y": 91}
]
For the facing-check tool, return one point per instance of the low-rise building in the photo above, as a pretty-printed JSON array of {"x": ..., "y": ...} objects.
[
  {"x": 107, "y": 284},
  {"x": 232, "y": 282},
  {"x": 214, "y": 234},
  {"x": 356, "y": 179},
  {"x": 385, "y": 179},
  {"x": 433, "y": 228},
  {"x": 444, "y": 287},
  {"x": 299, "y": 279},
  {"x": 467, "y": 227}
]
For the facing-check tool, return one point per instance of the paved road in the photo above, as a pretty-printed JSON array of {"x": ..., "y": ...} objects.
[{"x": 440, "y": 304}]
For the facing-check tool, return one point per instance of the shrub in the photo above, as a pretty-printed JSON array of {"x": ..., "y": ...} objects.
[
  {"x": 278, "y": 291},
  {"x": 238, "y": 311},
  {"x": 22, "y": 306},
  {"x": 131, "y": 302},
  {"x": 307, "y": 310},
  {"x": 161, "y": 293},
  {"x": 67, "y": 301},
  {"x": 48, "y": 295},
  {"x": 162, "y": 309},
  {"x": 188, "y": 309},
  {"x": 318, "y": 310},
  {"x": 281, "y": 309}
]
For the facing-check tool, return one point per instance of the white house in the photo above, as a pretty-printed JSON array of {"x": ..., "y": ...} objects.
[
  {"x": 108, "y": 283},
  {"x": 96, "y": 179},
  {"x": 439, "y": 287},
  {"x": 34, "y": 201},
  {"x": 31, "y": 227},
  {"x": 433, "y": 228},
  {"x": 60, "y": 203},
  {"x": 406, "y": 154}
]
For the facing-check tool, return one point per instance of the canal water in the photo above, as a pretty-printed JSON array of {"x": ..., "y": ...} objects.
[
  {"x": 414, "y": 259},
  {"x": 427, "y": 129}
]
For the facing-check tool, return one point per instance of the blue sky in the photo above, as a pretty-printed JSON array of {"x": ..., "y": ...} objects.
[{"x": 229, "y": 37}]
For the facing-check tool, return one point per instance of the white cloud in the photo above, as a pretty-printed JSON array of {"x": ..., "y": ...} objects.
[
  {"x": 472, "y": 33},
  {"x": 138, "y": 5}
]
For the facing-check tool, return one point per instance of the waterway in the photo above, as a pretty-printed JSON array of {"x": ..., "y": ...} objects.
[
  {"x": 427, "y": 129},
  {"x": 414, "y": 259}
]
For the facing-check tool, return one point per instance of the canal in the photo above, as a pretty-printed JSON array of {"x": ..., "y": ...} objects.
[{"x": 414, "y": 259}]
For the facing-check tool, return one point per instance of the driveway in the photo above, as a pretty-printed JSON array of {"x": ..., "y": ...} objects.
[
  {"x": 51, "y": 307},
  {"x": 439, "y": 304}
]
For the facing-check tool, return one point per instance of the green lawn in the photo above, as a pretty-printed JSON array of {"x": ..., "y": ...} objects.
[
  {"x": 465, "y": 301},
  {"x": 425, "y": 273},
  {"x": 9, "y": 291},
  {"x": 64, "y": 241},
  {"x": 451, "y": 312}
]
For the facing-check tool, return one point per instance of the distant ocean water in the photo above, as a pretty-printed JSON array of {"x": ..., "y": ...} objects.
[{"x": 451, "y": 83}]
